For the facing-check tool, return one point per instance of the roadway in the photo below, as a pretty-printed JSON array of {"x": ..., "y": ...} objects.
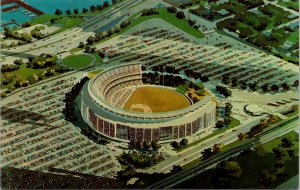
[
  {"x": 70, "y": 38},
  {"x": 275, "y": 131}
]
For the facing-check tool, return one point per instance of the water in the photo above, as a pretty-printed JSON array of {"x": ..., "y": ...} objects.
[
  {"x": 51, "y": 5},
  {"x": 19, "y": 15},
  {"x": 45, "y": 6}
]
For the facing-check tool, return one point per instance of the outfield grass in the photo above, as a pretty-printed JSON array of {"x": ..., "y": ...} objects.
[
  {"x": 158, "y": 99},
  {"x": 233, "y": 124},
  {"x": 181, "y": 89},
  {"x": 77, "y": 60}
]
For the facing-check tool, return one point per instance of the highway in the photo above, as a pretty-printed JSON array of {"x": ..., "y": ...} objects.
[
  {"x": 273, "y": 132},
  {"x": 70, "y": 38}
]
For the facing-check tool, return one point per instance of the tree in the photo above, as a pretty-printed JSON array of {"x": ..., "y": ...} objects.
[
  {"x": 18, "y": 62},
  {"x": 274, "y": 88},
  {"x": 228, "y": 108},
  {"x": 217, "y": 148},
  {"x": 285, "y": 86},
  {"x": 227, "y": 120},
  {"x": 81, "y": 45},
  {"x": 265, "y": 87},
  {"x": 191, "y": 22},
  {"x": 155, "y": 145},
  {"x": 229, "y": 168},
  {"x": 266, "y": 178},
  {"x": 105, "y": 4},
  {"x": 147, "y": 145},
  {"x": 58, "y": 12},
  {"x": 99, "y": 36},
  {"x": 172, "y": 9},
  {"x": 92, "y": 8},
  {"x": 132, "y": 143},
  {"x": 286, "y": 143},
  {"x": 68, "y": 12},
  {"x": 184, "y": 142},
  {"x": 180, "y": 15},
  {"x": 176, "y": 169},
  {"x": 75, "y": 11},
  {"x": 52, "y": 20},
  {"x": 84, "y": 10},
  {"x": 206, "y": 153},
  {"x": 175, "y": 144},
  {"x": 26, "y": 24},
  {"x": 219, "y": 124},
  {"x": 90, "y": 40},
  {"x": 242, "y": 136},
  {"x": 296, "y": 83}
]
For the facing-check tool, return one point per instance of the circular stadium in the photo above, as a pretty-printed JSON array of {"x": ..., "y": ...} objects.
[{"x": 120, "y": 105}]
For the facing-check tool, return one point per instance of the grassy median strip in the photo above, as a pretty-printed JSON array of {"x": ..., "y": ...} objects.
[{"x": 233, "y": 124}]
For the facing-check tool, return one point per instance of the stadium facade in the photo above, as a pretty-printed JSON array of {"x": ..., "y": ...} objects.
[{"x": 103, "y": 97}]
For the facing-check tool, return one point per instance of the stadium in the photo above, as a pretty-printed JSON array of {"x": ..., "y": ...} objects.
[{"x": 120, "y": 106}]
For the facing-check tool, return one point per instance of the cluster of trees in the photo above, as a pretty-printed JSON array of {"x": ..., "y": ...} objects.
[
  {"x": 227, "y": 119},
  {"x": 179, "y": 14},
  {"x": 177, "y": 145},
  {"x": 284, "y": 153},
  {"x": 69, "y": 110},
  {"x": 9, "y": 68},
  {"x": 42, "y": 61},
  {"x": 223, "y": 90},
  {"x": 195, "y": 75},
  {"x": 226, "y": 171},
  {"x": 92, "y": 8},
  {"x": 264, "y": 123},
  {"x": 148, "y": 12},
  {"x": 137, "y": 160},
  {"x": 8, "y": 33},
  {"x": 209, "y": 152},
  {"x": 140, "y": 145},
  {"x": 36, "y": 33}
]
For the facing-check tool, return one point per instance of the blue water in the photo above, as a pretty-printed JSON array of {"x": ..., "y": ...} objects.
[
  {"x": 51, "y": 5},
  {"x": 45, "y": 6},
  {"x": 19, "y": 15}
]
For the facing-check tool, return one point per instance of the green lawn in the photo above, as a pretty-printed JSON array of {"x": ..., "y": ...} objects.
[
  {"x": 75, "y": 50},
  {"x": 275, "y": 142},
  {"x": 164, "y": 15},
  {"x": 233, "y": 124},
  {"x": 252, "y": 164},
  {"x": 25, "y": 72},
  {"x": 44, "y": 18},
  {"x": 172, "y": 19},
  {"x": 77, "y": 60},
  {"x": 181, "y": 89}
]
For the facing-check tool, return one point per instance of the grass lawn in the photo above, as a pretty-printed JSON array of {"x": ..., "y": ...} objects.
[
  {"x": 77, "y": 60},
  {"x": 93, "y": 73},
  {"x": 98, "y": 58},
  {"x": 172, "y": 19},
  {"x": 63, "y": 20},
  {"x": 275, "y": 142},
  {"x": 25, "y": 72},
  {"x": 164, "y": 15},
  {"x": 233, "y": 124},
  {"x": 181, "y": 89},
  {"x": 252, "y": 164},
  {"x": 44, "y": 18},
  {"x": 75, "y": 50}
]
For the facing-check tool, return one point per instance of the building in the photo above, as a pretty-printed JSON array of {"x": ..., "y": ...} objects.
[{"x": 103, "y": 97}]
